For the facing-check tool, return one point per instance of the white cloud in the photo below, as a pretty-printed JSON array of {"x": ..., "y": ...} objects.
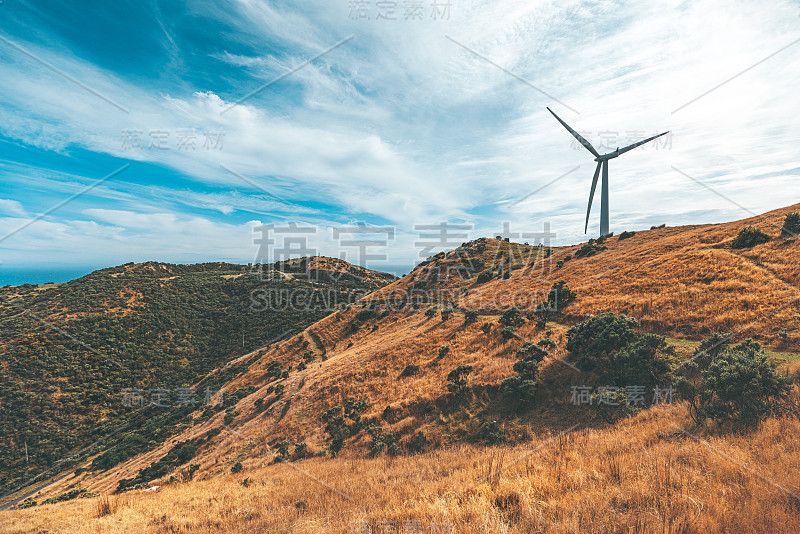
[
  {"x": 402, "y": 125},
  {"x": 11, "y": 207}
]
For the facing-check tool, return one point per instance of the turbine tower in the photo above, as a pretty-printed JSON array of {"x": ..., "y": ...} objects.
[{"x": 601, "y": 161}]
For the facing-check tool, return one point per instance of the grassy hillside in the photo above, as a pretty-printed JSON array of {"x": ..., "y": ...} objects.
[
  {"x": 69, "y": 350},
  {"x": 368, "y": 400},
  {"x": 644, "y": 475}
]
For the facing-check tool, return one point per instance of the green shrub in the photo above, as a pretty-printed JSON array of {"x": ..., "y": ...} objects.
[
  {"x": 430, "y": 312},
  {"x": 27, "y": 503},
  {"x": 529, "y": 348},
  {"x": 230, "y": 415},
  {"x": 301, "y": 366},
  {"x": 593, "y": 342},
  {"x": 491, "y": 433},
  {"x": 609, "y": 347},
  {"x": 66, "y": 496},
  {"x": 283, "y": 448},
  {"x": 470, "y": 316},
  {"x": 519, "y": 389},
  {"x": 237, "y": 468},
  {"x": 626, "y": 235},
  {"x": 409, "y": 370},
  {"x": 458, "y": 379},
  {"x": 546, "y": 343},
  {"x": 644, "y": 362},
  {"x": 709, "y": 348},
  {"x": 740, "y": 385},
  {"x": 274, "y": 369},
  {"x": 444, "y": 349},
  {"x": 484, "y": 277},
  {"x": 486, "y": 328},
  {"x": 508, "y": 332},
  {"x": 749, "y": 237},
  {"x": 446, "y": 314},
  {"x": 300, "y": 450},
  {"x": 366, "y": 314},
  {"x": 589, "y": 249},
  {"x": 512, "y": 317},
  {"x": 560, "y": 296},
  {"x": 791, "y": 224}
]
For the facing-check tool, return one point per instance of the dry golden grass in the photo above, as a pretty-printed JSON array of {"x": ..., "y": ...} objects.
[
  {"x": 642, "y": 476},
  {"x": 677, "y": 281}
]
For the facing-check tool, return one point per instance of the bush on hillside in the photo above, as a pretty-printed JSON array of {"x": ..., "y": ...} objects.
[
  {"x": 749, "y": 237},
  {"x": 590, "y": 249},
  {"x": 560, "y": 296},
  {"x": 491, "y": 433},
  {"x": 739, "y": 385},
  {"x": 791, "y": 225},
  {"x": 410, "y": 370},
  {"x": 484, "y": 277},
  {"x": 709, "y": 348},
  {"x": 458, "y": 379},
  {"x": 546, "y": 343},
  {"x": 512, "y": 317},
  {"x": 508, "y": 332},
  {"x": 626, "y": 235},
  {"x": 608, "y": 346},
  {"x": 470, "y": 316},
  {"x": 644, "y": 362},
  {"x": 366, "y": 314}
]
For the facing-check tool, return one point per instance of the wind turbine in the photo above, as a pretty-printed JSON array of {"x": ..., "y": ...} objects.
[{"x": 601, "y": 161}]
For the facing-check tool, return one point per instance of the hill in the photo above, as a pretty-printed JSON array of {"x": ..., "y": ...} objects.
[
  {"x": 377, "y": 379},
  {"x": 71, "y": 349}
]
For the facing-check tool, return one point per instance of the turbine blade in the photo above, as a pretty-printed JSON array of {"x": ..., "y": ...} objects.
[
  {"x": 575, "y": 134},
  {"x": 591, "y": 195},
  {"x": 634, "y": 145}
]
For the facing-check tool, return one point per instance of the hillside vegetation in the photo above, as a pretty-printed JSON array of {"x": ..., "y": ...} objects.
[
  {"x": 70, "y": 350},
  {"x": 450, "y": 397}
]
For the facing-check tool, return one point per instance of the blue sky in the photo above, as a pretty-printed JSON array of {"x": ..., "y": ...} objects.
[{"x": 407, "y": 122}]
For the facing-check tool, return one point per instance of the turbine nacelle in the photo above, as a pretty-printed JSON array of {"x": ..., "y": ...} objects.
[
  {"x": 610, "y": 155},
  {"x": 602, "y": 162}
]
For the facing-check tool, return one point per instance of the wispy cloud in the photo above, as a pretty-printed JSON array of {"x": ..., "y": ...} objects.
[{"x": 400, "y": 125}]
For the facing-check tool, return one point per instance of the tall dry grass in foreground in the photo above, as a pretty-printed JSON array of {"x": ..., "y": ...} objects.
[{"x": 643, "y": 475}]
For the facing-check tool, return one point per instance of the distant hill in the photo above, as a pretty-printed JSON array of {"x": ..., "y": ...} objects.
[{"x": 70, "y": 349}]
